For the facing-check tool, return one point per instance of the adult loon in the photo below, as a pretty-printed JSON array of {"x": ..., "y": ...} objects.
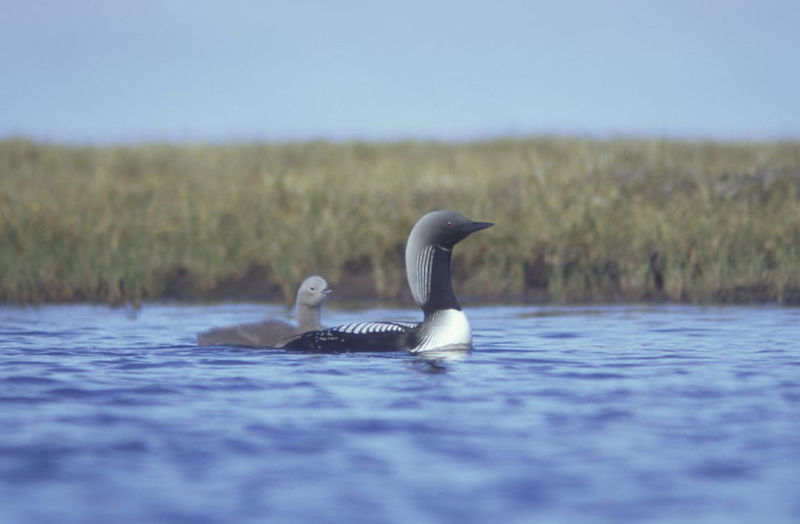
[
  {"x": 311, "y": 295},
  {"x": 428, "y": 256}
]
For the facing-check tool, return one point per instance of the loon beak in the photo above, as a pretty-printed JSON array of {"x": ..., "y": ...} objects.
[
  {"x": 477, "y": 226},
  {"x": 463, "y": 231},
  {"x": 470, "y": 228}
]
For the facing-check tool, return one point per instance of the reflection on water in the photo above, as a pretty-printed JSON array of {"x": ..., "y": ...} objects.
[
  {"x": 617, "y": 413},
  {"x": 445, "y": 354},
  {"x": 439, "y": 360}
]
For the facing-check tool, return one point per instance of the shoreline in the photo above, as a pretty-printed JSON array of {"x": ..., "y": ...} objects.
[
  {"x": 577, "y": 220},
  {"x": 359, "y": 290}
]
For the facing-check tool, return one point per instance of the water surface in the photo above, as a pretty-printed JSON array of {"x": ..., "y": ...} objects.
[{"x": 561, "y": 414}]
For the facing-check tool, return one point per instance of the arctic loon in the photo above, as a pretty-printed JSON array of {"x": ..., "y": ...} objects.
[
  {"x": 428, "y": 256},
  {"x": 311, "y": 295}
]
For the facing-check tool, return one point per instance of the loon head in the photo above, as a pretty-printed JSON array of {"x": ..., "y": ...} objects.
[
  {"x": 428, "y": 252},
  {"x": 313, "y": 292}
]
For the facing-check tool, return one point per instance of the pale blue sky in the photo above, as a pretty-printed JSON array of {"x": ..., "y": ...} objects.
[{"x": 112, "y": 71}]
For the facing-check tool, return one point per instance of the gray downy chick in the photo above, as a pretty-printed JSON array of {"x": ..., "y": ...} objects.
[{"x": 311, "y": 295}]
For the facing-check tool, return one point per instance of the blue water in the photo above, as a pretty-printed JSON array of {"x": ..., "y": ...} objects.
[{"x": 561, "y": 414}]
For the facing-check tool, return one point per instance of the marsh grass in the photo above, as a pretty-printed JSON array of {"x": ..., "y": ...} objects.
[{"x": 576, "y": 220}]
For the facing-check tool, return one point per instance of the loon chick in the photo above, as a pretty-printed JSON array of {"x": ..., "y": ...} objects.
[
  {"x": 428, "y": 255},
  {"x": 311, "y": 295}
]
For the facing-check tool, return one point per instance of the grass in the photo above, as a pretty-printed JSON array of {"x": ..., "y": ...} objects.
[{"x": 576, "y": 219}]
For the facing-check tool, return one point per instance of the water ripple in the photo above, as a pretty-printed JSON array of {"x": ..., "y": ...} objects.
[
  {"x": 29, "y": 380},
  {"x": 560, "y": 414}
]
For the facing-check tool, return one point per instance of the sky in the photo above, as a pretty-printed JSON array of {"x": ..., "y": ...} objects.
[{"x": 119, "y": 71}]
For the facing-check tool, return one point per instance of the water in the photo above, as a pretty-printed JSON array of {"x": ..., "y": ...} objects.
[{"x": 561, "y": 414}]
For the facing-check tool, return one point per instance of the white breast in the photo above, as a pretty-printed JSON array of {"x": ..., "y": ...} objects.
[{"x": 448, "y": 327}]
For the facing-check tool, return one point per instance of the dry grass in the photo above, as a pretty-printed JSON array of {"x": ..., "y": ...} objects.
[{"x": 577, "y": 220}]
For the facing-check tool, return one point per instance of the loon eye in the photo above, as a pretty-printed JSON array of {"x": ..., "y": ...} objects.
[{"x": 449, "y": 223}]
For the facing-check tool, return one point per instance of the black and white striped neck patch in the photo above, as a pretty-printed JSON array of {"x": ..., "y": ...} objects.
[{"x": 359, "y": 328}]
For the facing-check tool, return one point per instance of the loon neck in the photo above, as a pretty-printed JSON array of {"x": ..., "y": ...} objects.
[
  {"x": 428, "y": 272},
  {"x": 308, "y": 317}
]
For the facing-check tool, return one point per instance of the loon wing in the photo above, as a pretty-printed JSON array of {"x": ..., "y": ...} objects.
[{"x": 358, "y": 336}]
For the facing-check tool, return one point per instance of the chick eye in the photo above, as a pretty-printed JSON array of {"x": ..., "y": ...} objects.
[{"x": 312, "y": 288}]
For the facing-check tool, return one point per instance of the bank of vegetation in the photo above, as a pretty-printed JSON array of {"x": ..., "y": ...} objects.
[{"x": 577, "y": 220}]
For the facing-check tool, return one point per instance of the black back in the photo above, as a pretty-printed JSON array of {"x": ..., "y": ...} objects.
[{"x": 358, "y": 337}]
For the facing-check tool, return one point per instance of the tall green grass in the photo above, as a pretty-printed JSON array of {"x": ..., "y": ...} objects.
[{"x": 576, "y": 220}]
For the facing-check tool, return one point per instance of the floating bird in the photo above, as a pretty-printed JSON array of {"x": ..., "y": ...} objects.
[
  {"x": 311, "y": 295},
  {"x": 428, "y": 253}
]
